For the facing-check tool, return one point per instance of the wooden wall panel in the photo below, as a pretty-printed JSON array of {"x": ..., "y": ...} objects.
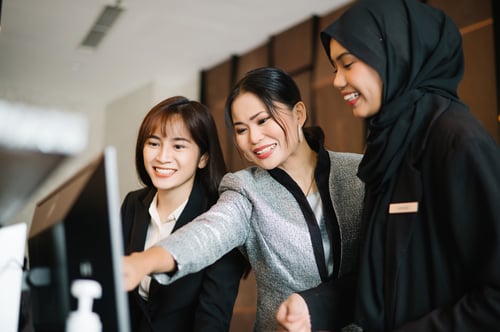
[
  {"x": 255, "y": 58},
  {"x": 478, "y": 87},
  {"x": 464, "y": 12},
  {"x": 216, "y": 84},
  {"x": 292, "y": 49},
  {"x": 343, "y": 132},
  {"x": 245, "y": 306}
]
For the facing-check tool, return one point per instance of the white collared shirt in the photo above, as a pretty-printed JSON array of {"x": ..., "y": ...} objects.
[
  {"x": 317, "y": 207},
  {"x": 158, "y": 230}
]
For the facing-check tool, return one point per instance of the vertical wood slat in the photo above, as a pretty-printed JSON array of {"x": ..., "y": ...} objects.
[
  {"x": 216, "y": 85},
  {"x": 292, "y": 50},
  {"x": 478, "y": 87},
  {"x": 255, "y": 58}
]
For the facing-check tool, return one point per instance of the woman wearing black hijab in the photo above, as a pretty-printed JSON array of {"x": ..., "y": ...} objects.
[{"x": 430, "y": 259}]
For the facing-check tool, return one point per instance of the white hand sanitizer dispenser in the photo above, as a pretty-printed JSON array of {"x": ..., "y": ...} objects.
[{"x": 83, "y": 319}]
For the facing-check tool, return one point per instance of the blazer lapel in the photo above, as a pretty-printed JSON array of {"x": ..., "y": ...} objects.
[
  {"x": 194, "y": 207},
  {"x": 141, "y": 223},
  {"x": 403, "y": 208},
  {"x": 403, "y": 213}
]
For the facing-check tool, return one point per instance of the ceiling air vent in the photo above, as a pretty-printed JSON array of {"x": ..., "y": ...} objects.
[{"x": 106, "y": 19}]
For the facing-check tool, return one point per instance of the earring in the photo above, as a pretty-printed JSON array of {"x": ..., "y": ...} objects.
[{"x": 300, "y": 133}]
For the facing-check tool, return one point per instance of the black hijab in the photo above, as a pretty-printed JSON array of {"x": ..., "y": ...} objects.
[{"x": 417, "y": 51}]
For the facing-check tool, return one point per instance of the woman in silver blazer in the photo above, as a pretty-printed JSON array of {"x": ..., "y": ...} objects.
[{"x": 295, "y": 215}]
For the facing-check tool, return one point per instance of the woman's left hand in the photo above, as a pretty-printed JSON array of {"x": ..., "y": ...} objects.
[{"x": 293, "y": 315}]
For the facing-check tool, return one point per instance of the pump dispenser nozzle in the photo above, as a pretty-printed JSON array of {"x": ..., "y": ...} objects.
[{"x": 83, "y": 319}]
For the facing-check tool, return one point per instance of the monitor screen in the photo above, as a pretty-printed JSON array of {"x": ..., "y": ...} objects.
[{"x": 76, "y": 234}]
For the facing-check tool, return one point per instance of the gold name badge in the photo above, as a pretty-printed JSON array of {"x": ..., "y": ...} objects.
[{"x": 407, "y": 207}]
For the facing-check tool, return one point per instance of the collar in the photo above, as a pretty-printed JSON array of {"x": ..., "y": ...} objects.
[{"x": 153, "y": 211}]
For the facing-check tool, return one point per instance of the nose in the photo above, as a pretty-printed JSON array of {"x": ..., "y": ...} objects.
[
  {"x": 339, "y": 81},
  {"x": 255, "y": 135},
  {"x": 164, "y": 154}
]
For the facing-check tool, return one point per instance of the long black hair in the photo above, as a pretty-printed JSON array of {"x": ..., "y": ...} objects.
[{"x": 271, "y": 85}]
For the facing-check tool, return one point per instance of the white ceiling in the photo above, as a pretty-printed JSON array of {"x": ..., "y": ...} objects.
[{"x": 166, "y": 40}]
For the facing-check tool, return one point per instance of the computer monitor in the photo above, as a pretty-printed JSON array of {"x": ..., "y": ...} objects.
[{"x": 76, "y": 234}]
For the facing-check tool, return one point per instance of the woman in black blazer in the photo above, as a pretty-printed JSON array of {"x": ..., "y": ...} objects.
[
  {"x": 430, "y": 255},
  {"x": 180, "y": 162}
]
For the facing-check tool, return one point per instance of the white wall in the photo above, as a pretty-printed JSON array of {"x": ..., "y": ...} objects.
[
  {"x": 122, "y": 121},
  {"x": 113, "y": 124}
]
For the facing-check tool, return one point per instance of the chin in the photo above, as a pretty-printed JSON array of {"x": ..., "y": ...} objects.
[
  {"x": 265, "y": 164},
  {"x": 359, "y": 115},
  {"x": 363, "y": 113}
]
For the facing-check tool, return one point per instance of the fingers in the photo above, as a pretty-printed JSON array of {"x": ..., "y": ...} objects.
[
  {"x": 281, "y": 317},
  {"x": 130, "y": 276},
  {"x": 293, "y": 315}
]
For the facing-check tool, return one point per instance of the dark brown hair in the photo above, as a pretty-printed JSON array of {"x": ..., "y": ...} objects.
[{"x": 201, "y": 126}]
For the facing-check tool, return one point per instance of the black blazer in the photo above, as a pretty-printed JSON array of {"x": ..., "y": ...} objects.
[
  {"x": 442, "y": 263},
  {"x": 201, "y": 301}
]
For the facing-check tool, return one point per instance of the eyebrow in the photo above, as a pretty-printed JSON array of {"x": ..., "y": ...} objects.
[
  {"x": 341, "y": 55},
  {"x": 251, "y": 118},
  {"x": 152, "y": 136},
  {"x": 182, "y": 139}
]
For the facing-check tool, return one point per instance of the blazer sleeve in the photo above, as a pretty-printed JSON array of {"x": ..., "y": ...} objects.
[
  {"x": 219, "y": 290},
  {"x": 331, "y": 304}
]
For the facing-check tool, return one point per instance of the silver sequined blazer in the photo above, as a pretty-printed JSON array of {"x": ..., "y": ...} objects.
[{"x": 261, "y": 217}]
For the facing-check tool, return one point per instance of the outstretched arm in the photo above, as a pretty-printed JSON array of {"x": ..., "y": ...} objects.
[{"x": 139, "y": 264}]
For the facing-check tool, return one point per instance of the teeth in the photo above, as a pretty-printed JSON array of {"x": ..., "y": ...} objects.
[
  {"x": 351, "y": 96},
  {"x": 265, "y": 150},
  {"x": 164, "y": 171}
]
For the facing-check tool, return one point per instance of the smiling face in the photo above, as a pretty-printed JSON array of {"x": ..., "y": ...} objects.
[
  {"x": 259, "y": 137},
  {"x": 359, "y": 84},
  {"x": 171, "y": 159}
]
